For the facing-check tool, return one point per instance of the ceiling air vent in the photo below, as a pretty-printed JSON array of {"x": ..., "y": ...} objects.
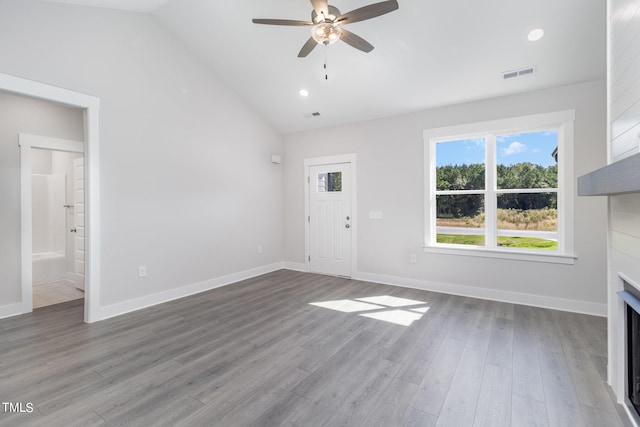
[{"x": 518, "y": 73}]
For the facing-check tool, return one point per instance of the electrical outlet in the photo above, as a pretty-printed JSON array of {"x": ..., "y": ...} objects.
[
  {"x": 414, "y": 258},
  {"x": 259, "y": 249},
  {"x": 142, "y": 271}
]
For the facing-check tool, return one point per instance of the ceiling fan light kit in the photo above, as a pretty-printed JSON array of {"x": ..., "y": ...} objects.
[
  {"x": 326, "y": 33},
  {"x": 327, "y": 24}
]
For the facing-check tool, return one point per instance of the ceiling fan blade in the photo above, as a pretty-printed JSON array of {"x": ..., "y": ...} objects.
[
  {"x": 356, "y": 41},
  {"x": 321, "y": 7},
  {"x": 368, "y": 12},
  {"x": 307, "y": 48},
  {"x": 282, "y": 22}
]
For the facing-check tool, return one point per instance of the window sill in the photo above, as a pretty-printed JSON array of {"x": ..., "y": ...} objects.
[{"x": 552, "y": 258}]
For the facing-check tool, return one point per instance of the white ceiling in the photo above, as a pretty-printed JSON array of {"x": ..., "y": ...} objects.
[
  {"x": 131, "y": 5},
  {"x": 427, "y": 53}
]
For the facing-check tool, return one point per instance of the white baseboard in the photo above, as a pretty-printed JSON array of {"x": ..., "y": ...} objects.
[
  {"x": 468, "y": 291},
  {"x": 124, "y": 307},
  {"x": 295, "y": 266},
  {"x": 563, "y": 304},
  {"x": 11, "y": 310}
]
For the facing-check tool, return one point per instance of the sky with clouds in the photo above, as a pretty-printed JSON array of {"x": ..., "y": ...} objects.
[{"x": 533, "y": 147}]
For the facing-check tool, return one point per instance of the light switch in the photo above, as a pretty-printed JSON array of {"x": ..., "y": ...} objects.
[{"x": 375, "y": 214}]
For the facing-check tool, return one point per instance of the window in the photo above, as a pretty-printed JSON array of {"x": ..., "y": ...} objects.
[
  {"x": 330, "y": 182},
  {"x": 502, "y": 188}
]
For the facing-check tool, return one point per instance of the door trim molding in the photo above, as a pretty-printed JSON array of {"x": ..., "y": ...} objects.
[
  {"x": 91, "y": 106},
  {"x": 329, "y": 160}
]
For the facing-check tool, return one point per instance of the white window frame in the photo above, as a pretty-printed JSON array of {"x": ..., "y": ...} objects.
[{"x": 563, "y": 122}]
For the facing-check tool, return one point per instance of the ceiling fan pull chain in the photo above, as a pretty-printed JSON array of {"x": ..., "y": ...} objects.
[{"x": 326, "y": 73}]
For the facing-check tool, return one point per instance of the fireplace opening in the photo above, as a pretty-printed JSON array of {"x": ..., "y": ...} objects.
[
  {"x": 633, "y": 357},
  {"x": 630, "y": 295}
]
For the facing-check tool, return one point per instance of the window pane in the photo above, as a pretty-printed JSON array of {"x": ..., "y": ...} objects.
[
  {"x": 528, "y": 221},
  {"x": 527, "y": 160},
  {"x": 460, "y": 219},
  {"x": 329, "y": 181},
  {"x": 460, "y": 165}
]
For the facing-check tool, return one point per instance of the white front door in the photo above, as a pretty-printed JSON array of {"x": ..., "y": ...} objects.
[
  {"x": 330, "y": 219},
  {"x": 78, "y": 220}
]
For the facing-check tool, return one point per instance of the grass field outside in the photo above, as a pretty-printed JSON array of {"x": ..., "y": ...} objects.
[{"x": 503, "y": 241}]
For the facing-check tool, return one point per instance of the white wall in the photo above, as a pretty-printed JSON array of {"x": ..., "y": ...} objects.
[
  {"x": 41, "y": 159},
  {"x": 48, "y": 162},
  {"x": 48, "y": 215},
  {"x": 19, "y": 114},
  {"x": 624, "y": 140},
  {"x": 390, "y": 179},
  {"x": 187, "y": 186}
]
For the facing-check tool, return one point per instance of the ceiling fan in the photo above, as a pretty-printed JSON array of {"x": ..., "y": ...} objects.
[{"x": 327, "y": 24}]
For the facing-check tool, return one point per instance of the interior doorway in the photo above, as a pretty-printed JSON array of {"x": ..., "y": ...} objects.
[
  {"x": 90, "y": 106},
  {"x": 52, "y": 190},
  {"x": 57, "y": 194}
]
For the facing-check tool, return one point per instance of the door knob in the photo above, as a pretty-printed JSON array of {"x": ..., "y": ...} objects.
[
  {"x": 347, "y": 226},
  {"x": 73, "y": 230}
]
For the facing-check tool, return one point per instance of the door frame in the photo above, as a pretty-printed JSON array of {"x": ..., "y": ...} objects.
[
  {"x": 330, "y": 160},
  {"x": 90, "y": 106}
]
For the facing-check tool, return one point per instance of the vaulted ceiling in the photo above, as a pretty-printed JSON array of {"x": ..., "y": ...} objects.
[{"x": 427, "y": 53}]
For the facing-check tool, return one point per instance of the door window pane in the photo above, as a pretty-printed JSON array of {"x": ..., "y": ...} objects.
[{"x": 330, "y": 182}]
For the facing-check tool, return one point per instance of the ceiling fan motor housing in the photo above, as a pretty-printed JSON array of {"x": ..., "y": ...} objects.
[{"x": 333, "y": 14}]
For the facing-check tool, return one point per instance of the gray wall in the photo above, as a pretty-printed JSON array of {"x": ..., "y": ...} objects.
[
  {"x": 391, "y": 179},
  {"x": 23, "y": 115}
]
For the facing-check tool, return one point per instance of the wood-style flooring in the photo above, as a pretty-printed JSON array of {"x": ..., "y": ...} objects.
[{"x": 297, "y": 349}]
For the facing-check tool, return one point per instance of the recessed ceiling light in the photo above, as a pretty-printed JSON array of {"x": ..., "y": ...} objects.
[
  {"x": 535, "y": 35},
  {"x": 304, "y": 92}
]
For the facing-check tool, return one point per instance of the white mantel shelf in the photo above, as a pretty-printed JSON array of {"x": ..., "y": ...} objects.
[{"x": 620, "y": 177}]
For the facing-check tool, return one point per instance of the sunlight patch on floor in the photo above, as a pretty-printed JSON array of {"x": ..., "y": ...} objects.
[
  {"x": 390, "y": 301},
  {"x": 399, "y": 317},
  {"x": 346, "y": 305},
  {"x": 400, "y": 311}
]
